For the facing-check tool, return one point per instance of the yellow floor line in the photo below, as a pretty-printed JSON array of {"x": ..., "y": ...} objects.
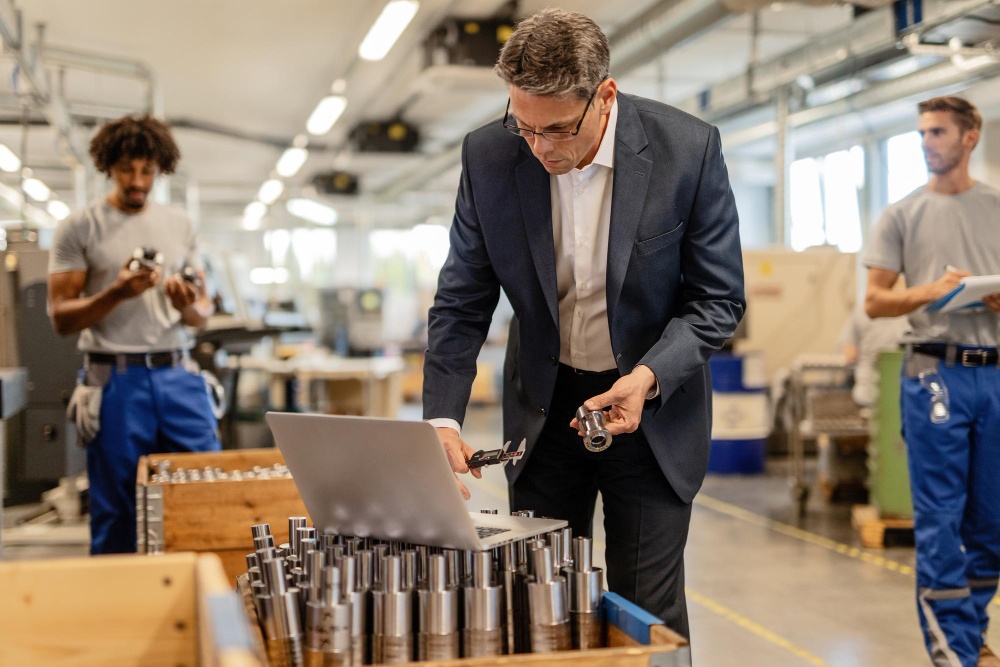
[
  {"x": 852, "y": 552},
  {"x": 754, "y": 628}
]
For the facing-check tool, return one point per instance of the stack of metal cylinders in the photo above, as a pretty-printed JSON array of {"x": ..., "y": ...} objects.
[
  {"x": 279, "y": 615},
  {"x": 328, "y": 623},
  {"x": 547, "y": 604},
  {"x": 438, "y": 614},
  {"x": 585, "y": 586},
  {"x": 393, "y": 638},
  {"x": 483, "y": 631}
]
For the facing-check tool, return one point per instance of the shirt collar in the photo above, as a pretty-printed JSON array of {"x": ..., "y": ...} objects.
[{"x": 606, "y": 152}]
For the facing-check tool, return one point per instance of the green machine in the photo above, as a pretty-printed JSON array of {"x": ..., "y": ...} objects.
[{"x": 888, "y": 475}]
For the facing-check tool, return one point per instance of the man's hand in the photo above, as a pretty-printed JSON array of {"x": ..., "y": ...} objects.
[
  {"x": 131, "y": 284},
  {"x": 458, "y": 455},
  {"x": 992, "y": 302},
  {"x": 181, "y": 293},
  {"x": 626, "y": 398},
  {"x": 944, "y": 285}
]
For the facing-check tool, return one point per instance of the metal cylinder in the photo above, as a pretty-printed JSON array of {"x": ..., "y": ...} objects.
[
  {"x": 263, "y": 542},
  {"x": 366, "y": 570},
  {"x": 596, "y": 437},
  {"x": 438, "y": 616},
  {"x": 555, "y": 544},
  {"x": 409, "y": 569},
  {"x": 294, "y": 523},
  {"x": 423, "y": 563},
  {"x": 328, "y": 624},
  {"x": 393, "y": 639},
  {"x": 483, "y": 606},
  {"x": 360, "y": 630},
  {"x": 260, "y": 529},
  {"x": 567, "y": 546},
  {"x": 451, "y": 566},
  {"x": 585, "y": 587},
  {"x": 547, "y": 606}
]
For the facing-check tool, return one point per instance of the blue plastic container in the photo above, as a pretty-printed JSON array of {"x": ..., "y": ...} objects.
[{"x": 745, "y": 457}]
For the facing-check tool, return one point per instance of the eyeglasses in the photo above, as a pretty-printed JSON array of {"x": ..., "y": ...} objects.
[{"x": 551, "y": 136}]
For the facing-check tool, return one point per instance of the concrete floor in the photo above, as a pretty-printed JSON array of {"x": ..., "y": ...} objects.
[{"x": 764, "y": 588}]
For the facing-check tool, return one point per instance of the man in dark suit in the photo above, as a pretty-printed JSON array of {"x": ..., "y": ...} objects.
[{"x": 609, "y": 223}]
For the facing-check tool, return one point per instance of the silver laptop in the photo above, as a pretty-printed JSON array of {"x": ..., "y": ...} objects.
[{"x": 388, "y": 479}]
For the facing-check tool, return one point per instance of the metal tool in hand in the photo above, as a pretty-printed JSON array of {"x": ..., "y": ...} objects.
[
  {"x": 145, "y": 258},
  {"x": 492, "y": 457},
  {"x": 596, "y": 437}
]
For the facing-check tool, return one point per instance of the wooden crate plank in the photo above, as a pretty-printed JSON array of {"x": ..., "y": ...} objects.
[
  {"x": 230, "y": 459},
  {"x": 217, "y": 515},
  {"x": 111, "y": 610},
  {"x": 223, "y": 628}
]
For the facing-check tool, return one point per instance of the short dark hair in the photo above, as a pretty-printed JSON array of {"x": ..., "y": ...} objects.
[
  {"x": 134, "y": 138},
  {"x": 555, "y": 52},
  {"x": 965, "y": 113}
]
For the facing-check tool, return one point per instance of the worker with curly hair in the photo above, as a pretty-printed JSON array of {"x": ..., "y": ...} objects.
[{"x": 126, "y": 275}]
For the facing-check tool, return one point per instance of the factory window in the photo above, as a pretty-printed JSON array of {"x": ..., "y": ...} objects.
[
  {"x": 823, "y": 194},
  {"x": 906, "y": 167}
]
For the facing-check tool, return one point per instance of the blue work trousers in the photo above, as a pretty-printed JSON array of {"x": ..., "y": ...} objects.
[
  {"x": 955, "y": 480},
  {"x": 143, "y": 411}
]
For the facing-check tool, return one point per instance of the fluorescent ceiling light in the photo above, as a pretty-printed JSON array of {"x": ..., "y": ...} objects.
[
  {"x": 252, "y": 215},
  {"x": 265, "y": 275},
  {"x": 326, "y": 114},
  {"x": 58, "y": 209},
  {"x": 270, "y": 191},
  {"x": 389, "y": 25},
  {"x": 291, "y": 161},
  {"x": 313, "y": 211},
  {"x": 35, "y": 189},
  {"x": 8, "y": 161}
]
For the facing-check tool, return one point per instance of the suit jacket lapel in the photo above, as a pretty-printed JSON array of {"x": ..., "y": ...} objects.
[
  {"x": 628, "y": 196},
  {"x": 536, "y": 209}
]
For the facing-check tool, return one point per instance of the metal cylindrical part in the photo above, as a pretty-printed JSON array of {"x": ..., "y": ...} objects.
[
  {"x": 328, "y": 632},
  {"x": 482, "y": 643},
  {"x": 438, "y": 647},
  {"x": 352, "y": 545},
  {"x": 555, "y": 544},
  {"x": 451, "y": 562},
  {"x": 260, "y": 529},
  {"x": 274, "y": 575},
  {"x": 586, "y": 630},
  {"x": 583, "y": 554},
  {"x": 438, "y": 612},
  {"x": 585, "y": 589},
  {"x": 381, "y": 552},
  {"x": 437, "y": 579},
  {"x": 251, "y": 560},
  {"x": 263, "y": 542},
  {"x": 548, "y": 602},
  {"x": 567, "y": 546},
  {"x": 549, "y": 638},
  {"x": 329, "y": 586},
  {"x": 294, "y": 523},
  {"x": 392, "y": 650},
  {"x": 423, "y": 554},
  {"x": 596, "y": 437},
  {"x": 541, "y": 565},
  {"x": 482, "y": 569},
  {"x": 483, "y": 608},
  {"x": 366, "y": 570},
  {"x": 306, "y": 544},
  {"x": 409, "y": 569},
  {"x": 348, "y": 575},
  {"x": 392, "y": 574}
]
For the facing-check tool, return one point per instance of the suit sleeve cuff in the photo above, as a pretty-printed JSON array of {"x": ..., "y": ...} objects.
[
  {"x": 443, "y": 422},
  {"x": 654, "y": 391}
]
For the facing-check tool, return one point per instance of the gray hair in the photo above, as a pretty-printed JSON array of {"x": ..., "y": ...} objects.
[{"x": 555, "y": 52}]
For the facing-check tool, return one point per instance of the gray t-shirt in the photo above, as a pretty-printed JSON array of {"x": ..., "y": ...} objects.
[
  {"x": 99, "y": 240},
  {"x": 924, "y": 232}
]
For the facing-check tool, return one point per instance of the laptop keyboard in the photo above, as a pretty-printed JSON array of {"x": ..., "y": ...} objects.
[{"x": 488, "y": 531}]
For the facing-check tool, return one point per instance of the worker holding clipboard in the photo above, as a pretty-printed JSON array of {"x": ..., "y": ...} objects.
[{"x": 945, "y": 239}]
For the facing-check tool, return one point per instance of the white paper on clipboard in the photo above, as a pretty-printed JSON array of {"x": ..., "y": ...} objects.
[{"x": 967, "y": 295}]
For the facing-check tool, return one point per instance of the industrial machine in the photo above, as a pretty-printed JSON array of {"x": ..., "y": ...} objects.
[
  {"x": 351, "y": 320},
  {"x": 42, "y": 445}
]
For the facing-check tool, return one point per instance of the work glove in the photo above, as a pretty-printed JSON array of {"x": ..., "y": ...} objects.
[{"x": 85, "y": 410}]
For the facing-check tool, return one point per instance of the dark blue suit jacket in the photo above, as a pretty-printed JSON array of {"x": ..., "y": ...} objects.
[{"x": 674, "y": 280}]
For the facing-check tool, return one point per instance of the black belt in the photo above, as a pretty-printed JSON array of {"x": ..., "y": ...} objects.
[
  {"x": 967, "y": 356},
  {"x": 148, "y": 359},
  {"x": 579, "y": 371}
]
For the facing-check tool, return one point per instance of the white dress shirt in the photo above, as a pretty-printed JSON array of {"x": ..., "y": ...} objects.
[{"x": 581, "y": 224}]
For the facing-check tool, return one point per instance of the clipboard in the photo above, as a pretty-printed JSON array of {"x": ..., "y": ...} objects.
[{"x": 967, "y": 295}]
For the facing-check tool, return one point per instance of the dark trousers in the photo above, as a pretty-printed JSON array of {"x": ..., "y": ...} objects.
[{"x": 646, "y": 524}]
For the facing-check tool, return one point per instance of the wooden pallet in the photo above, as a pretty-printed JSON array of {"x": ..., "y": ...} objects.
[{"x": 877, "y": 532}]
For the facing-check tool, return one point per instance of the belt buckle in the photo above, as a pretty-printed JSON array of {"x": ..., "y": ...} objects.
[{"x": 969, "y": 355}]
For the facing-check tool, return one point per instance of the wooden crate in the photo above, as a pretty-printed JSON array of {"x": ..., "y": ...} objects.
[
  {"x": 877, "y": 532},
  {"x": 171, "y": 610},
  {"x": 213, "y": 516}
]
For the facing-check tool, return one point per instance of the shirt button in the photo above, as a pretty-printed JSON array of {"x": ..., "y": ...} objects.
[
  {"x": 542, "y": 410},
  {"x": 585, "y": 286},
  {"x": 579, "y": 191},
  {"x": 579, "y": 314}
]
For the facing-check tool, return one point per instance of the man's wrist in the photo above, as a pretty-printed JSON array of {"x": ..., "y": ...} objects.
[{"x": 651, "y": 385}]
